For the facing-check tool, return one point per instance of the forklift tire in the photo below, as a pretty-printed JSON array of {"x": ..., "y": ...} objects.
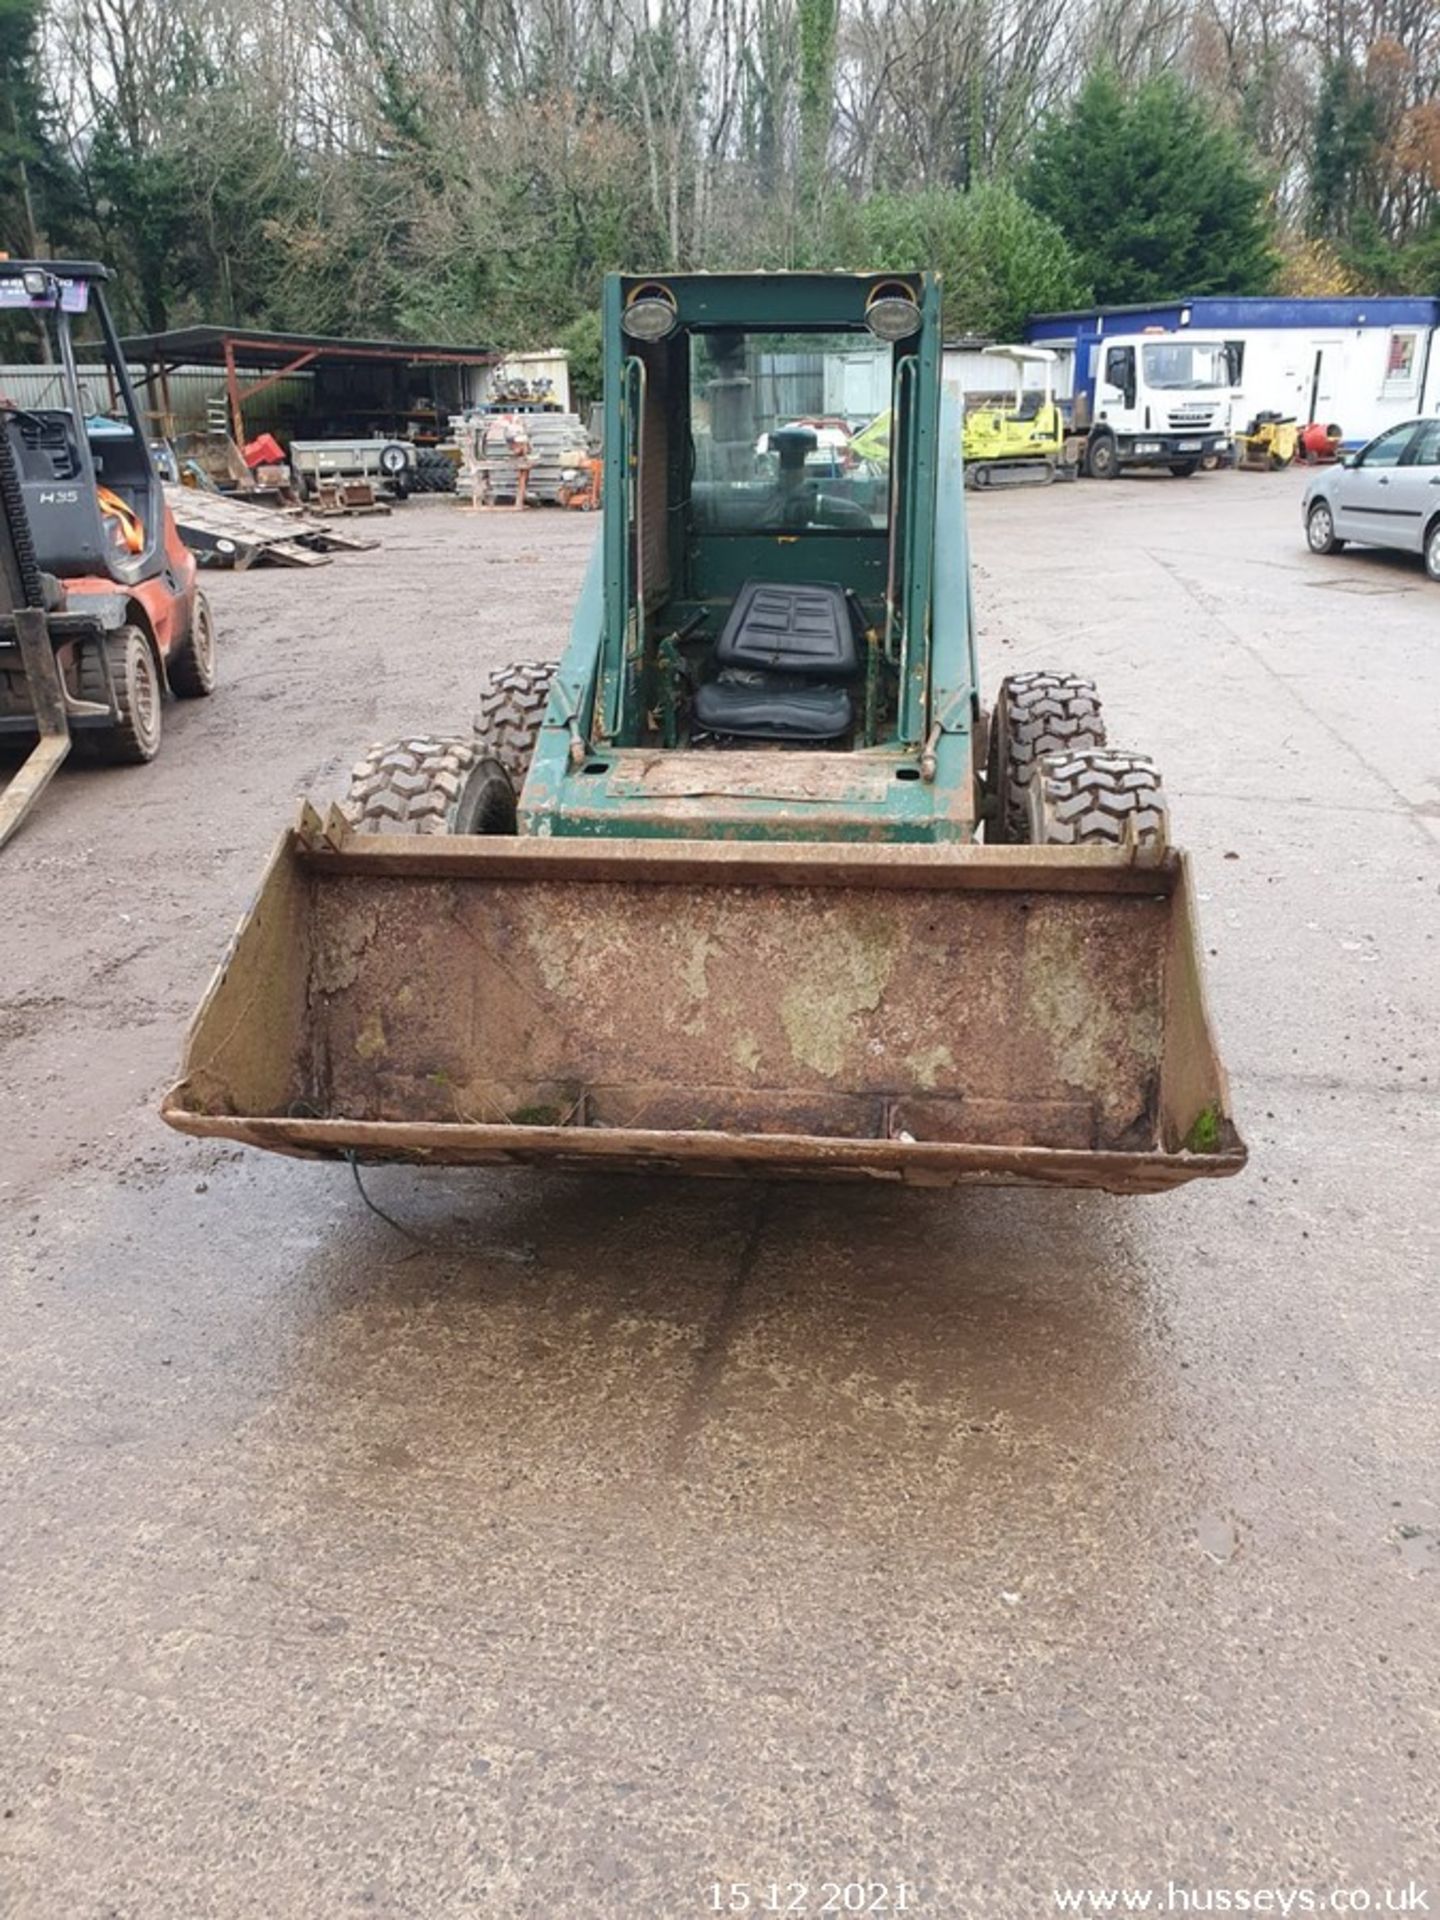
[
  {"x": 1035, "y": 714},
  {"x": 1183, "y": 469},
  {"x": 511, "y": 713},
  {"x": 429, "y": 785},
  {"x": 134, "y": 738},
  {"x": 1102, "y": 462},
  {"x": 1098, "y": 800},
  {"x": 191, "y": 666}
]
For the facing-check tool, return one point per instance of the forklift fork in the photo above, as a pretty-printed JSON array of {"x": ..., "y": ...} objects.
[{"x": 47, "y": 697}]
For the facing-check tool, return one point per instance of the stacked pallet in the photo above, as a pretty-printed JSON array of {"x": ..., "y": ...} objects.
[{"x": 557, "y": 441}]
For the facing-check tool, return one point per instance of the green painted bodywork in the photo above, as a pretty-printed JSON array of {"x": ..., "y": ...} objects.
[{"x": 610, "y": 760}]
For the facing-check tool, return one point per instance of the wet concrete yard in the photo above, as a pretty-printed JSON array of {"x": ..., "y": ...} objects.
[{"x": 607, "y": 1539}]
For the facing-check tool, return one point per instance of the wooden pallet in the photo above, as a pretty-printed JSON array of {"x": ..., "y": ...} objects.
[{"x": 224, "y": 531}]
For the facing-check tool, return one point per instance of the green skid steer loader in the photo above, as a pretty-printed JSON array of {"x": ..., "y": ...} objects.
[{"x": 751, "y": 883}]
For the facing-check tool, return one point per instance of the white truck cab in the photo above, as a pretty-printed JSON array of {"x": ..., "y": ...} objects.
[{"x": 1160, "y": 400}]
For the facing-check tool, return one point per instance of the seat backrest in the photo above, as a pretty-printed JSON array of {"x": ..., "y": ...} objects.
[
  {"x": 808, "y": 630},
  {"x": 45, "y": 445},
  {"x": 66, "y": 526},
  {"x": 59, "y": 471}
]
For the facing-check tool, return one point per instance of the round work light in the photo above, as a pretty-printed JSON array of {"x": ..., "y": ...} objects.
[
  {"x": 650, "y": 314},
  {"x": 891, "y": 312}
]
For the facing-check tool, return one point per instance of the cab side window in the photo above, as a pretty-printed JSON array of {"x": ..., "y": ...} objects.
[{"x": 1120, "y": 371}]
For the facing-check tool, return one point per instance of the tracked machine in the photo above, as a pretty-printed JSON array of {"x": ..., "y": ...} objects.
[
  {"x": 752, "y": 882},
  {"x": 1020, "y": 440}
]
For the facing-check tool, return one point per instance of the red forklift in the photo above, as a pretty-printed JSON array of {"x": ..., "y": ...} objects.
[{"x": 100, "y": 615}]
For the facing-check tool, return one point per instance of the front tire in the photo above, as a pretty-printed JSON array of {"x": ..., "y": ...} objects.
[
  {"x": 1102, "y": 459},
  {"x": 191, "y": 665},
  {"x": 1320, "y": 529},
  {"x": 1035, "y": 714},
  {"x": 134, "y": 738},
  {"x": 426, "y": 785},
  {"x": 1097, "y": 800},
  {"x": 511, "y": 712},
  {"x": 1432, "y": 551}
]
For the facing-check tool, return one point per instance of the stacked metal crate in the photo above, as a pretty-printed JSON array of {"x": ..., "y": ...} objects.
[{"x": 557, "y": 441}]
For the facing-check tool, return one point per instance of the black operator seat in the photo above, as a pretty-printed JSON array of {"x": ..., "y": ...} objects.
[{"x": 783, "y": 658}]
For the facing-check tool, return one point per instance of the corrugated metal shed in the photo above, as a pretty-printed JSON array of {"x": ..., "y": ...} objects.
[
  {"x": 356, "y": 383},
  {"x": 192, "y": 391},
  {"x": 216, "y": 346}
]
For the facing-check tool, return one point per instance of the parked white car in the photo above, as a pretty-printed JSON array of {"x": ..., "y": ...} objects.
[{"x": 1387, "y": 495}]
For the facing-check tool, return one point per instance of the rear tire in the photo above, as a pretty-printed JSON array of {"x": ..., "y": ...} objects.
[
  {"x": 426, "y": 785},
  {"x": 1432, "y": 551},
  {"x": 1183, "y": 469},
  {"x": 191, "y": 665},
  {"x": 1035, "y": 714},
  {"x": 1320, "y": 529},
  {"x": 134, "y": 738},
  {"x": 1097, "y": 800},
  {"x": 511, "y": 713}
]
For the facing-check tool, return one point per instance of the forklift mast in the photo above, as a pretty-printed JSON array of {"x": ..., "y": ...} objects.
[{"x": 20, "y": 582}]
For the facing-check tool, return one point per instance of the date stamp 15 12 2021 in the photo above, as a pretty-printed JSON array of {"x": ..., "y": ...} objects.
[{"x": 812, "y": 1896}]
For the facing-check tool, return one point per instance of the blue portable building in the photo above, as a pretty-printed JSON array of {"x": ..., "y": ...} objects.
[{"x": 1359, "y": 361}]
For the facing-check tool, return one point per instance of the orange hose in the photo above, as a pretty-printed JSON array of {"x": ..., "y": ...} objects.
[{"x": 132, "y": 534}]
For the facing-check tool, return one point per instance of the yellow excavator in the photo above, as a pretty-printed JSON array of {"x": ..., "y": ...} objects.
[{"x": 1019, "y": 440}]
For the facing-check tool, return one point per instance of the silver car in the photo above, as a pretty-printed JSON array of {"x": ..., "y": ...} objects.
[{"x": 1387, "y": 495}]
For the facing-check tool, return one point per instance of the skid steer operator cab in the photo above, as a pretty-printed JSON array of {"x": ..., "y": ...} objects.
[{"x": 762, "y": 611}]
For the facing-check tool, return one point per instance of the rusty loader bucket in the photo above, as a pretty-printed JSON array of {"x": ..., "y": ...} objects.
[{"x": 914, "y": 1013}]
